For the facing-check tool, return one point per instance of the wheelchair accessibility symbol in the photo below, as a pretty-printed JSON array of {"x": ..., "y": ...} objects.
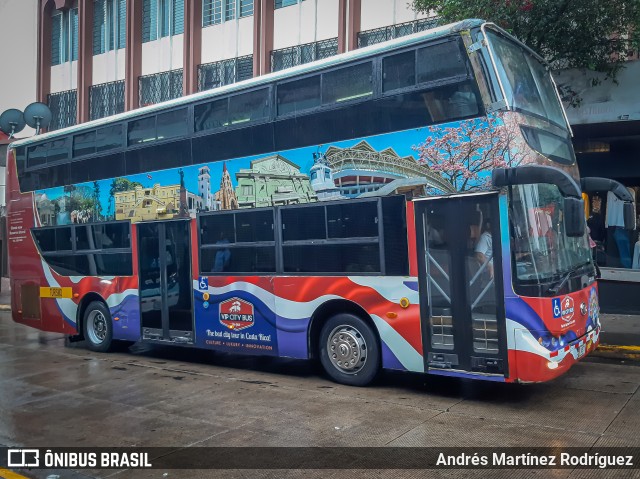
[{"x": 563, "y": 308}]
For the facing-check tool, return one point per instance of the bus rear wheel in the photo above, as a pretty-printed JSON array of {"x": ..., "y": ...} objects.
[
  {"x": 349, "y": 350},
  {"x": 98, "y": 327}
]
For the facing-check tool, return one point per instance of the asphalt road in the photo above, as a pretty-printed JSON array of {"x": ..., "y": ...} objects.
[{"x": 56, "y": 395}]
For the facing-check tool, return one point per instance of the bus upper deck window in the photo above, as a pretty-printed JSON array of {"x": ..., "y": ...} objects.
[
  {"x": 347, "y": 84},
  {"x": 399, "y": 71},
  {"x": 37, "y": 155},
  {"x": 212, "y": 115},
  {"x": 142, "y": 131},
  {"x": 439, "y": 62},
  {"x": 298, "y": 95},
  {"x": 108, "y": 138},
  {"x": 84, "y": 144},
  {"x": 250, "y": 106},
  {"x": 172, "y": 124}
]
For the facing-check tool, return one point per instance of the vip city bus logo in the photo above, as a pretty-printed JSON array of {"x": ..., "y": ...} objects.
[
  {"x": 236, "y": 314},
  {"x": 563, "y": 308}
]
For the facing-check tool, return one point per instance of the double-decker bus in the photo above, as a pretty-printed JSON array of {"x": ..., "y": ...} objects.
[{"x": 414, "y": 205}]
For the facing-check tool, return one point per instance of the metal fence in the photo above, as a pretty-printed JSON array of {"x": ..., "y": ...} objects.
[
  {"x": 225, "y": 72},
  {"x": 299, "y": 54},
  {"x": 160, "y": 87},
  {"x": 377, "y": 35},
  {"x": 64, "y": 107},
  {"x": 106, "y": 99}
]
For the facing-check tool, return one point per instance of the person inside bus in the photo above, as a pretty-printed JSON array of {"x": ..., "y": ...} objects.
[
  {"x": 483, "y": 249},
  {"x": 223, "y": 256}
]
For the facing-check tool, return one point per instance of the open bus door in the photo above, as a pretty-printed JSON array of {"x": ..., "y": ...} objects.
[
  {"x": 164, "y": 255},
  {"x": 460, "y": 282}
]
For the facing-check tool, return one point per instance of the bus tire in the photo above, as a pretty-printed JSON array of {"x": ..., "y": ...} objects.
[
  {"x": 98, "y": 327},
  {"x": 349, "y": 350}
]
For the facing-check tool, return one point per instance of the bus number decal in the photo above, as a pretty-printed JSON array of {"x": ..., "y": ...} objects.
[{"x": 55, "y": 292}]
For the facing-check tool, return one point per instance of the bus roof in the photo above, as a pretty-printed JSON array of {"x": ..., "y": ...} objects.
[{"x": 401, "y": 42}]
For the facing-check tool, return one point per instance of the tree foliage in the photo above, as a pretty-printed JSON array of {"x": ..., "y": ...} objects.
[
  {"x": 465, "y": 154},
  {"x": 594, "y": 34}
]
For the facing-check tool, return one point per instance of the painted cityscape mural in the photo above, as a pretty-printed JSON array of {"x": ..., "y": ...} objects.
[{"x": 452, "y": 157}]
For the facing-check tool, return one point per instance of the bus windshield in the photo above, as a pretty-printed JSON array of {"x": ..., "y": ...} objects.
[
  {"x": 527, "y": 82},
  {"x": 541, "y": 249}
]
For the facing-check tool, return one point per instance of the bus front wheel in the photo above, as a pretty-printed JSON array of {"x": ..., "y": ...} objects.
[
  {"x": 98, "y": 328},
  {"x": 349, "y": 350}
]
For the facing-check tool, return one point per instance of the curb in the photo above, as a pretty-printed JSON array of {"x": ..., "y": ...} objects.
[
  {"x": 611, "y": 351},
  {"x": 5, "y": 307}
]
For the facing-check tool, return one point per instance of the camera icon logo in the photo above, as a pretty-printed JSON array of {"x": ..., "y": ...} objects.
[{"x": 23, "y": 458}]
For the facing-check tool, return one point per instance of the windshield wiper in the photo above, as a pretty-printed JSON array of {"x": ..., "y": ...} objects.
[
  {"x": 556, "y": 287},
  {"x": 553, "y": 289}
]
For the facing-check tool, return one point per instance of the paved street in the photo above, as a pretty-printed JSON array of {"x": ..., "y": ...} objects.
[{"x": 53, "y": 395}]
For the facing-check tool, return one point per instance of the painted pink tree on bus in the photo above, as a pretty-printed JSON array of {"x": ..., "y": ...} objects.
[{"x": 464, "y": 154}]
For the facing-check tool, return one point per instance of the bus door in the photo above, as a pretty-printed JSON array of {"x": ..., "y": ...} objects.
[
  {"x": 164, "y": 254},
  {"x": 460, "y": 282}
]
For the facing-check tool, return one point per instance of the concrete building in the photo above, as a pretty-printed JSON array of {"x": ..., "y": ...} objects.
[
  {"x": 94, "y": 58},
  {"x": 606, "y": 129}
]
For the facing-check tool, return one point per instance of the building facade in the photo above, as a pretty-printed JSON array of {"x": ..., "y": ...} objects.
[
  {"x": 101, "y": 57},
  {"x": 606, "y": 137}
]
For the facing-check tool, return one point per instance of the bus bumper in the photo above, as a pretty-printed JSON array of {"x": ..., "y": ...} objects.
[{"x": 534, "y": 363}]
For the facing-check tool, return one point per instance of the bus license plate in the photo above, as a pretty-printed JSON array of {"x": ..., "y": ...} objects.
[
  {"x": 581, "y": 350},
  {"x": 55, "y": 292}
]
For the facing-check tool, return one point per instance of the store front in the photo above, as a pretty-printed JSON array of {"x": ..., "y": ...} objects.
[{"x": 606, "y": 131}]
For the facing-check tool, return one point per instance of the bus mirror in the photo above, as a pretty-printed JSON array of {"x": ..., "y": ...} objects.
[
  {"x": 574, "y": 217},
  {"x": 629, "y": 216}
]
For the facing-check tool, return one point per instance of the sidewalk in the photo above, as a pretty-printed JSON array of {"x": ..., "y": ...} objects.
[{"x": 620, "y": 336}]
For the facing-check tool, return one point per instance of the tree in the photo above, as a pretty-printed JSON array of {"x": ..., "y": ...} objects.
[
  {"x": 96, "y": 196},
  {"x": 597, "y": 35},
  {"x": 465, "y": 154}
]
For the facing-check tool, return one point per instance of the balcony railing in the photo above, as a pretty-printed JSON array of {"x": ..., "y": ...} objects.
[
  {"x": 63, "y": 106},
  {"x": 377, "y": 35},
  {"x": 300, "y": 54},
  {"x": 106, "y": 99},
  {"x": 225, "y": 72},
  {"x": 160, "y": 87}
]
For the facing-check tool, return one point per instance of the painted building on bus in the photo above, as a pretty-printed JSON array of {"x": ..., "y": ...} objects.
[
  {"x": 362, "y": 169},
  {"x": 155, "y": 203},
  {"x": 273, "y": 181},
  {"x": 226, "y": 197}
]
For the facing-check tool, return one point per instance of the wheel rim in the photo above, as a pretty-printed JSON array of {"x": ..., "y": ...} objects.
[
  {"x": 347, "y": 349},
  {"x": 96, "y": 327}
]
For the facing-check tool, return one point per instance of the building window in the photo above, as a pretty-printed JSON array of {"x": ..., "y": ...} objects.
[
  {"x": 225, "y": 72},
  {"x": 64, "y": 36},
  {"x": 160, "y": 87},
  {"x": 285, "y": 3},
  {"x": 377, "y": 35},
  {"x": 162, "y": 18},
  {"x": 300, "y": 54},
  {"x": 106, "y": 99},
  {"x": 63, "y": 107},
  {"x": 217, "y": 11},
  {"x": 109, "y": 25}
]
